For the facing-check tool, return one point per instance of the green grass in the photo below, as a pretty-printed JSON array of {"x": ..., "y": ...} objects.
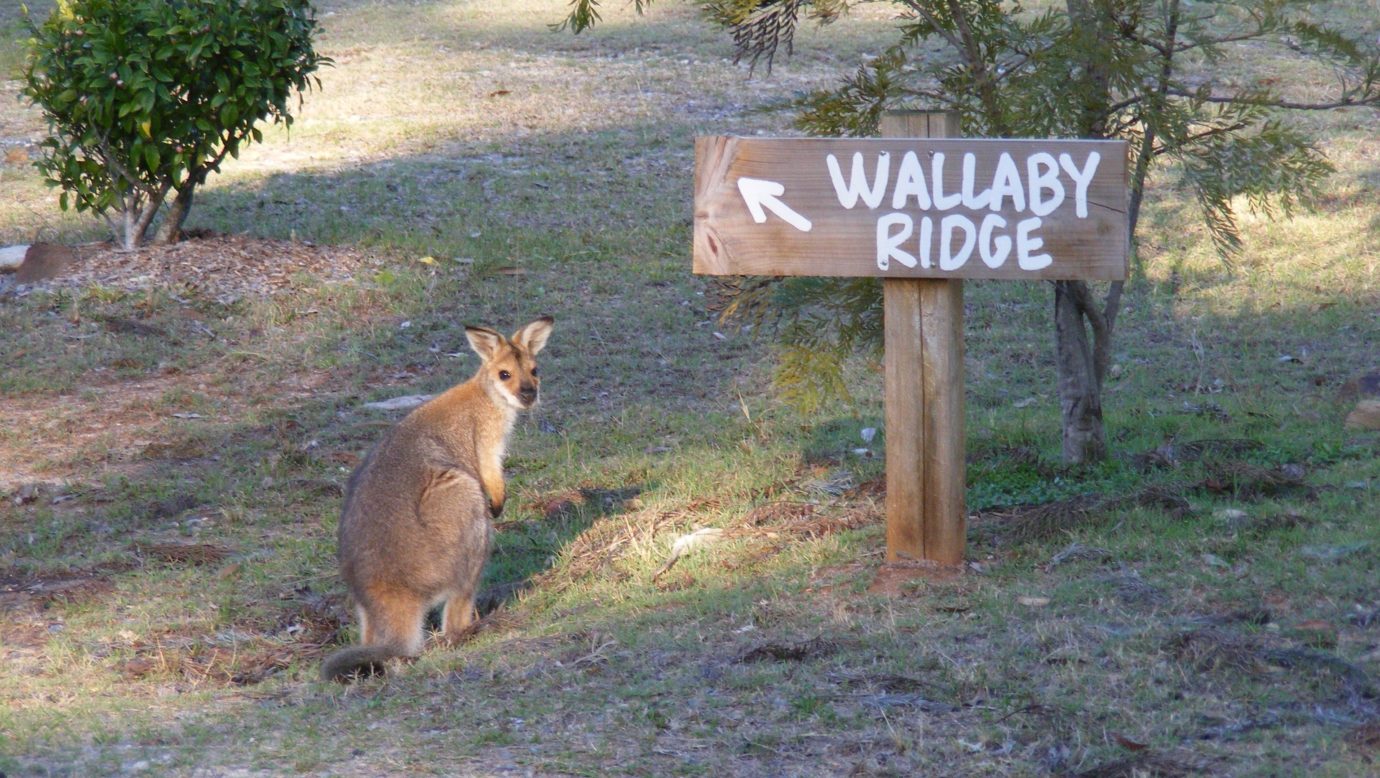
[{"x": 168, "y": 496}]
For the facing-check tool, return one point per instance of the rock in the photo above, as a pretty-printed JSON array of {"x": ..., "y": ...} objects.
[
  {"x": 11, "y": 257},
  {"x": 44, "y": 261},
  {"x": 1212, "y": 560},
  {"x": 406, "y": 402},
  {"x": 1365, "y": 416},
  {"x": 1234, "y": 518}
]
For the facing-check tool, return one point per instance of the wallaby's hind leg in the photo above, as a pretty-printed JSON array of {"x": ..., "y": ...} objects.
[
  {"x": 459, "y": 616},
  {"x": 393, "y": 618},
  {"x": 456, "y": 499}
]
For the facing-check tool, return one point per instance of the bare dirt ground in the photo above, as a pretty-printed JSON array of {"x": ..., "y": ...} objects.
[{"x": 122, "y": 418}]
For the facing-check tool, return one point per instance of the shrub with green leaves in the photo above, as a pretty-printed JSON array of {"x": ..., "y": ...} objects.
[{"x": 145, "y": 98}]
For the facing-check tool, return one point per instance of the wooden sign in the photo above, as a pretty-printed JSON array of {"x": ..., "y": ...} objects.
[
  {"x": 923, "y": 211},
  {"x": 911, "y": 208}
]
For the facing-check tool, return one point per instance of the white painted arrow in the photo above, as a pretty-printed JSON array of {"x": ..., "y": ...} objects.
[{"x": 759, "y": 193}]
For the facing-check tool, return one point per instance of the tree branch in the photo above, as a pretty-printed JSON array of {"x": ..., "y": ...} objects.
[
  {"x": 1344, "y": 102},
  {"x": 923, "y": 11},
  {"x": 1212, "y": 132}
]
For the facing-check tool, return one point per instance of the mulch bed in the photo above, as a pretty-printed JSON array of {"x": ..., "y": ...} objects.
[{"x": 225, "y": 268}]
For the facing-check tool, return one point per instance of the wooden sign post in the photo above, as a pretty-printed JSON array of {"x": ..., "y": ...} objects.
[{"x": 923, "y": 211}]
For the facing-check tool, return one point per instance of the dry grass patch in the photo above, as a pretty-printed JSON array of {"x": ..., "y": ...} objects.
[
  {"x": 1042, "y": 521},
  {"x": 464, "y": 164}
]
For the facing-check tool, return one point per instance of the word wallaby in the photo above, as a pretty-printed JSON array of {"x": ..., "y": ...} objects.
[{"x": 416, "y": 526}]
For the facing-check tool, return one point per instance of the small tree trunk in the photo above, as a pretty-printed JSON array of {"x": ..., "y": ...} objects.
[
  {"x": 1082, "y": 365},
  {"x": 141, "y": 226},
  {"x": 1080, "y": 375},
  {"x": 132, "y": 220},
  {"x": 170, "y": 231},
  {"x": 125, "y": 233}
]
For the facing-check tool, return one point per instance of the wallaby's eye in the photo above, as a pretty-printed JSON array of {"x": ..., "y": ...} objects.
[
  {"x": 504, "y": 375},
  {"x": 534, "y": 372}
]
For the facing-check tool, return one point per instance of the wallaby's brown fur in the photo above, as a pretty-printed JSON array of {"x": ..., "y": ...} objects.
[{"x": 416, "y": 526}]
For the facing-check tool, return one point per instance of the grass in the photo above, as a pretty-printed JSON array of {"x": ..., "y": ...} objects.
[{"x": 1203, "y": 603}]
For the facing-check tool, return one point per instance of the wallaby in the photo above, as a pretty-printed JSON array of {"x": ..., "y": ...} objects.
[{"x": 416, "y": 526}]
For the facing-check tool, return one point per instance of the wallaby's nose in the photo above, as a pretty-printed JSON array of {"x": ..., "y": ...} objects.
[{"x": 527, "y": 393}]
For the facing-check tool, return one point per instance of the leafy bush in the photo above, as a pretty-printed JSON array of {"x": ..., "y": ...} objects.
[{"x": 145, "y": 98}]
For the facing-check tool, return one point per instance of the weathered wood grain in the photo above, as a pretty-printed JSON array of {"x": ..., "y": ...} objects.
[
  {"x": 923, "y": 387},
  {"x": 843, "y": 241}
]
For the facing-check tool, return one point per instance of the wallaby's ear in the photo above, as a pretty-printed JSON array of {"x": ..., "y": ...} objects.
[
  {"x": 532, "y": 337},
  {"x": 484, "y": 341}
]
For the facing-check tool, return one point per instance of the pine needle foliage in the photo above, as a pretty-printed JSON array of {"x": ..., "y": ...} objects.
[
  {"x": 1141, "y": 70},
  {"x": 585, "y": 14},
  {"x": 818, "y": 321},
  {"x": 1160, "y": 74}
]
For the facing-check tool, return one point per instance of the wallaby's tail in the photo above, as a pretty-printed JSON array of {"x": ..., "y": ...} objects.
[{"x": 363, "y": 661}]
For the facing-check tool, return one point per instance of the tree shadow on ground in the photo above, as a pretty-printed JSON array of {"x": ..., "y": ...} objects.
[{"x": 604, "y": 250}]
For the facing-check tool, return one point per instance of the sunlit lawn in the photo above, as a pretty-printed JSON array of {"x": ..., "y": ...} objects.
[{"x": 1204, "y": 603}]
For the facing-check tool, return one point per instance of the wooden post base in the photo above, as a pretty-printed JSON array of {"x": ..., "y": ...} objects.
[{"x": 925, "y": 474}]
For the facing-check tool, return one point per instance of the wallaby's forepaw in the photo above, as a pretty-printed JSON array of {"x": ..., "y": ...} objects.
[
  {"x": 495, "y": 509},
  {"x": 454, "y": 639},
  {"x": 356, "y": 662}
]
